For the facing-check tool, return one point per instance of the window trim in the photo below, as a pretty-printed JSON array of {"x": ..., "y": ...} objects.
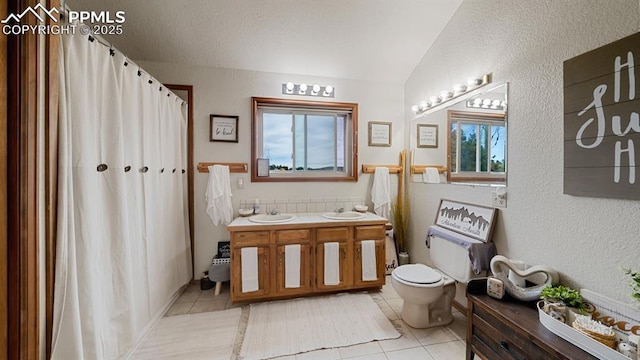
[
  {"x": 477, "y": 117},
  {"x": 302, "y": 104}
]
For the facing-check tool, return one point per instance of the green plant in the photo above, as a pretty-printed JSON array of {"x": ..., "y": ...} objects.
[
  {"x": 400, "y": 214},
  {"x": 564, "y": 294},
  {"x": 634, "y": 283}
]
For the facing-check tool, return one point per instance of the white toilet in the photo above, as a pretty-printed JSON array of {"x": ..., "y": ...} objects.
[{"x": 428, "y": 292}]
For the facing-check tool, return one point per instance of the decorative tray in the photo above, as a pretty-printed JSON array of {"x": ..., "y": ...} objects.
[{"x": 577, "y": 338}]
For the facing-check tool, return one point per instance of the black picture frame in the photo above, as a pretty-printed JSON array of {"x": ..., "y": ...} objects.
[{"x": 223, "y": 128}]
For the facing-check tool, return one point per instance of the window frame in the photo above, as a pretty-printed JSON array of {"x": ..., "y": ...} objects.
[
  {"x": 477, "y": 118},
  {"x": 293, "y": 105}
]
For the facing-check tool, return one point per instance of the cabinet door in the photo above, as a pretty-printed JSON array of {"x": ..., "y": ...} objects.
[
  {"x": 380, "y": 256},
  {"x": 263, "y": 263},
  {"x": 343, "y": 264},
  {"x": 304, "y": 271}
]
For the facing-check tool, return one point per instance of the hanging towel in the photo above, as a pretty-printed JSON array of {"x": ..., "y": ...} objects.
[
  {"x": 331, "y": 263},
  {"x": 431, "y": 175},
  {"x": 218, "y": 195},
  {"x": 249, "y": 260},
  {"x": 369, "y": 260},
  {"x": 292, "y": 266},
  {"x": 380, "y": 194}
]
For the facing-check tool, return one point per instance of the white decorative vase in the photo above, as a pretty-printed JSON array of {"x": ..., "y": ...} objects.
[{"x": 403, "y": 258}]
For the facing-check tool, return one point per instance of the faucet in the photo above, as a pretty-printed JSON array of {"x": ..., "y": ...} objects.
[
  {"x": 338, "y": 210},
  {"x": 273, "y": 212}
]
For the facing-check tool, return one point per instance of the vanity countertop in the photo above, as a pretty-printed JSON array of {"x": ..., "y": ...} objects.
[{"x": 242, "y": 223}]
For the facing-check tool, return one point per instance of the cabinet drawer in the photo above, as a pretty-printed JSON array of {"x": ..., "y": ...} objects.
[
  {"x": 332, "y": 234},
  {"x": 372, "y": 232},
  {"x": 292, "y": 236},
  {"x": 506, "y": 344},
  {"x": 249, "y": 238}
]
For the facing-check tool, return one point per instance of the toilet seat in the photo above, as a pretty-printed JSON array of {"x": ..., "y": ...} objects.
[{"x": 418, "y": 274}]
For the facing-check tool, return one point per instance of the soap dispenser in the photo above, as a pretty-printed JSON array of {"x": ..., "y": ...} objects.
[{"x": 256, "y": 206}]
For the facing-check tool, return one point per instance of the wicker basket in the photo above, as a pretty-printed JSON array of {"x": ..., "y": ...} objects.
[{"x": 607, "y": 340}]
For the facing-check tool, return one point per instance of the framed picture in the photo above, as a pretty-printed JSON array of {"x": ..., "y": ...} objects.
[
  {"x": 379, "y": 133},
  {"x": 224, "y": 249},
  {"x": 427, "y": 136},
  {"x": 223, "y": 128},
  {"x": 474, "y": 221}
]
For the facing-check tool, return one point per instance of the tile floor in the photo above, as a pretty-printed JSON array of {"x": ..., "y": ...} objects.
[{"x": 442, "y": 343}]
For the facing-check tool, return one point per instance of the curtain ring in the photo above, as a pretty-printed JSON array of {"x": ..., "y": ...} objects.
[
  {"x": 102, "y": 167},
  {"x": 127, "y": 168},
  {"x": 144, "y": 169},
  {"x": 183, "y": 171},
  {"x": 161, "y": 170},
  {"x": 174, "y": 170}
]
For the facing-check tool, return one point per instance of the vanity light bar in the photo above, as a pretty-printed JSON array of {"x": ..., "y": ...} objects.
[
  {"x": 448, "y": 95},
  {"x": 316, "y": 90},
  {"x": 492, "y": 104}
]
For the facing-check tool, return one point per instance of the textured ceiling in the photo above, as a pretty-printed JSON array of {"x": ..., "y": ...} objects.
[{"x": 378, "y": 40}]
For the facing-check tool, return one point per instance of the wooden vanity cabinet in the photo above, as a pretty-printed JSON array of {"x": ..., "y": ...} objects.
[
  {"x": 376, "y": 233},
  {"x": 271, "y": 242},
  {"x": 245, "y": 239},
  {"x": 341, "y": 235},
  {"x": 300, "y": 237}
]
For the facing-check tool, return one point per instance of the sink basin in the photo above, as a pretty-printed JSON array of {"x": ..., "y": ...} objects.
[
  {"x": 347, "y": 215},
  {"x": 271, "y": 219}
]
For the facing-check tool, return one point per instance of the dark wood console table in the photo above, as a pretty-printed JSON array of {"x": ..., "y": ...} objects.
[{"x": 510, "y": 329}]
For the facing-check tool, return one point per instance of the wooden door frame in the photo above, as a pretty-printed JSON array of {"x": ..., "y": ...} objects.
[
  {"x": 190, "y": 167},
  {"x": 23, "y": 297}
]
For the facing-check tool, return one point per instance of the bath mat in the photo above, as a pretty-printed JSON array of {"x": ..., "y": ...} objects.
[
  {"x": 191, "y": 336},
  {"x": 287, "y": 327}
]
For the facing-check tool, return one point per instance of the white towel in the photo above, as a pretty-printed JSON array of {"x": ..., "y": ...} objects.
[
  {"x": 249, "y": 260},
  {"x": 292, "y": 266},
  {"x": 380, "y": 194},
  {"x": 431, "y": 175},
  {"x": 331, "y": 263},
  {"x": 218, "y": 195},
  {"x": 369, "y": 260}
]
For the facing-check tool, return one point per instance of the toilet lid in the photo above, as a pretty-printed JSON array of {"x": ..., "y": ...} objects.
[{"x": 418, "y": 274}]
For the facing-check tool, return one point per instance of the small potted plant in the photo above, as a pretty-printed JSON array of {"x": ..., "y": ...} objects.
[{"x": 561, "y": 301}]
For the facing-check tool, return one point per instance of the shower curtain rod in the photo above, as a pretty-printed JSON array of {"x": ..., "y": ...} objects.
[{"x": 64, "y": 14}]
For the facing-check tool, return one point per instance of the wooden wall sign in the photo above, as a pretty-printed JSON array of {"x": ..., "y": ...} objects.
[{"x": 602, "y": 121}]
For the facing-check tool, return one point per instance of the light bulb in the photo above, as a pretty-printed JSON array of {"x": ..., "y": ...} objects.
[
  {"x": 415, "y": 108},
  {"x": 473, "y": 81},
  {"x": 459, "y": 88},
  {"x": 290, "y": 86},
  {"x": 303, "y": 88},
  {"x": 424, "y": 104},
  {"x": 435, "y": 100},
  {"x": 315, "y": 89},
  {"x": 328, "y": 90},
  {"x": 477, "y": 101}
]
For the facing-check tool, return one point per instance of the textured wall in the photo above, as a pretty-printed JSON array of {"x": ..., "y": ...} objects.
[
  {"x": 229, "y": 92},
  {"x": 524, "y": 43}
]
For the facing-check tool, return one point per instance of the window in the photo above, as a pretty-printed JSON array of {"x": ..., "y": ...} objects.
[
  {"x": 305, "y": 140},
  {"x": 477, "y": 147}
]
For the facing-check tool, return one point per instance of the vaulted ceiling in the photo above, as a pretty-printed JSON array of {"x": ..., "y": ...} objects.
[{"x": 376, "y": 40}]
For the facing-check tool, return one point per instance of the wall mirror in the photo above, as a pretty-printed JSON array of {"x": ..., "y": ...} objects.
[{"x": 464, "y": 142}]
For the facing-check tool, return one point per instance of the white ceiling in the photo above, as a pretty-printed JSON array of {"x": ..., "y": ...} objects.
[{"x": 377, "y": 40}]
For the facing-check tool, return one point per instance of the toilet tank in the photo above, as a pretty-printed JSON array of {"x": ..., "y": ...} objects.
[{"x": 451, "y": 258}]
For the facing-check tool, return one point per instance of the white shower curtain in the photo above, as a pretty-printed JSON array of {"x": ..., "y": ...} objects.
[{"x": 123, "y": 241}]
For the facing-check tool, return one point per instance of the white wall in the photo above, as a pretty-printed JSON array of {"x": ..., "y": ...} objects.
[
  {"x": 525, "y": 43},
  {"x": 229, "y": 92}
]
